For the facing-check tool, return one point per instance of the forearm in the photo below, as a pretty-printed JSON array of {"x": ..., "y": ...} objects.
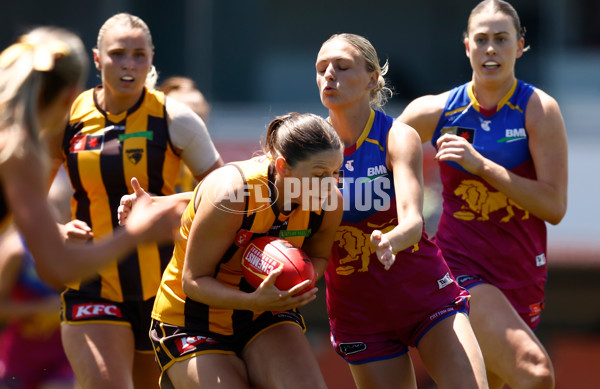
[
  {"x": 72, "y": 262},
  {"x": 212, "y": 292},
  {"x": 537, "y": 197},
  {"x": 183, "y": 197},
  {"x": 407, "y": 233},
  {"x": 320, "y": 265}
]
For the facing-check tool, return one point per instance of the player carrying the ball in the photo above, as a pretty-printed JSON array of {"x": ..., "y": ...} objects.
[{"x": 210, "y": 327}]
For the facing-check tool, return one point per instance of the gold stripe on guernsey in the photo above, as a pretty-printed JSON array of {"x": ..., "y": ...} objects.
[
  {"x": 136, "y": 165},
  {"x": 100, "y": 213},
  {"x": 142, "y": 146},
  {"x": 366, "y": 130},
  {"x": 456, "y": 110},
  {"x": 170, "y": 172},
  {"x": 502, "y": 102}
]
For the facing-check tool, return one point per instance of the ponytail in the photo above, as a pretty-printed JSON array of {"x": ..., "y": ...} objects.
[
  {"x": 33, "y": 71},
  {"x": 296, "y": 137}
]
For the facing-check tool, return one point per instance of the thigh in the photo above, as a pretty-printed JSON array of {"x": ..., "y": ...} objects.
[
  {"x": 451, "y": 355},
  {"x": 101, "y": 354},
  {"x": 281, "y": 357},
  {"x": 207, "y": 371},
  {"x": 510, "y": 348},
  {"x": 145, "y": 370},
  {"x": 391, "y": 373}
]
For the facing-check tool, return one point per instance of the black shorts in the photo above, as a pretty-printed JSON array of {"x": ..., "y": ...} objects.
[
  {"x": 79, "y": 308},
  {"x": 173, "y": 343}
]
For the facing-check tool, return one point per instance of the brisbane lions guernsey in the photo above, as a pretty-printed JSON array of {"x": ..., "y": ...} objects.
[
  {"x": 103, "y": 152},
  {"x": 362, "y": 297},
  {"x": 482, "y": 232}
]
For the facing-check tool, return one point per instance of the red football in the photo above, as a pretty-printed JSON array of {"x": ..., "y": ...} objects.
[{"x": 267, "y": 253}]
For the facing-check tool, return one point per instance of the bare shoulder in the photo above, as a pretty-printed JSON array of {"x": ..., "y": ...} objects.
[
  {"x": 542, "y": 110},
  {"x": 176, "y": 109},
  {"x": 401, "y": 133},
  {"x": 423, "y": 114},
  {"x": 404, "y": 144},
  {"x": 224, "y": 188}
]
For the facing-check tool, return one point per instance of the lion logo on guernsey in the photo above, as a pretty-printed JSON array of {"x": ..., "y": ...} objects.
[
  {"x": 482, "y": 201},
  {"x": 358, "y": 247}
]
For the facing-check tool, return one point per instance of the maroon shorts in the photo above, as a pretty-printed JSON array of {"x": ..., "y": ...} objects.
[
  {"x": 358, "y": 349},
  {"x": 29, "y": 363},
  {"x": 79, "y": 308},
  {"x": 528, "y": 301}
]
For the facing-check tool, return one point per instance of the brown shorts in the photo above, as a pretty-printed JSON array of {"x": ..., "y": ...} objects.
[
  {"x": 79, "y": 308},
  {"x": 173, "y": 344}
]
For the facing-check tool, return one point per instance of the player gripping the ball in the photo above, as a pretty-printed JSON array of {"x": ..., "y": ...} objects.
[{"x": 210, "y": 324}]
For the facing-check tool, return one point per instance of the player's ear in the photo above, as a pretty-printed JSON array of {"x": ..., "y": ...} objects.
[
  {"x": 373, "y": 79},
  {"x": 96, "y": 54},
  {"x": 281, "y": 166}
]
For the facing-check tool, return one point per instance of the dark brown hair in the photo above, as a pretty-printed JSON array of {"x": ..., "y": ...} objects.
[
  {"x": 494, "y": 6},
  {"x": 298, "y": 136}
]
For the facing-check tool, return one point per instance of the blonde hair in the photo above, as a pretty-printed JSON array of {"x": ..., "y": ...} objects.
[
  {"x": 33, "y": 72},
  {"x": 131, "y": 21},
  {"x": 381, "y": 93}
]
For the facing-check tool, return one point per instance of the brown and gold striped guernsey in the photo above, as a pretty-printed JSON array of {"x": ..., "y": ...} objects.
[
  {"x": 172, "y": 306},
  {"x": 103, "y": 152}
]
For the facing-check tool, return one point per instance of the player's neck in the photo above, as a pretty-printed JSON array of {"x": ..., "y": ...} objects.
[
  {"x": 490, "y": 93},
  {"x": 113, "y": 103},
  {"x": 349, "y": 123}
]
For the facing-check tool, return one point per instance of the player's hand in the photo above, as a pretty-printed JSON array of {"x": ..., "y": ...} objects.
[
  {"x": 269, "y": 298},
  {"x": 383, "y": 248},
  {"x": 457, "y": 149},
  {"x": 75, "y": 231},
  {"x": 154, "y": 222},
  {"x": 127, "y": 201}
]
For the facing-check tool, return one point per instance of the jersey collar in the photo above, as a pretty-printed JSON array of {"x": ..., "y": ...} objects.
[
  {"x": 490, "y": 111},
  {"x": 365, "y": 133}
]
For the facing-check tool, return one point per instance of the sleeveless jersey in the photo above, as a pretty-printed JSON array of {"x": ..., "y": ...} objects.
[
  {"x": 103, "y": 152},
  {"x": 362, "y": 297},
  {"x": 261, "y": 218},
  {"x": 482, "y": 232}
]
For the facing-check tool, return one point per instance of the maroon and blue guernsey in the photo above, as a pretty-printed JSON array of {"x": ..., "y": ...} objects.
[
  {"x": 482, "y": 232},
  {"x": 363, "y": 297}
]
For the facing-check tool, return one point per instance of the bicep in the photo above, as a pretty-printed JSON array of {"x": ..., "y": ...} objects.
[
  {"x": 191, "y": 139},
  {"x": 27, "y": 201},
  {"x": 547, "y": 141},
  {"x": 423, "y": 115},
  {"x": 10, "y": 261},
  {"x": 212, "y": 232},
  {"x": 405, "y": 160},
  {"x": 53, "y": 141}
]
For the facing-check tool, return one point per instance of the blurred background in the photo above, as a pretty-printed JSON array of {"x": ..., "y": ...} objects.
[{"x": 254, "y": 59}]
